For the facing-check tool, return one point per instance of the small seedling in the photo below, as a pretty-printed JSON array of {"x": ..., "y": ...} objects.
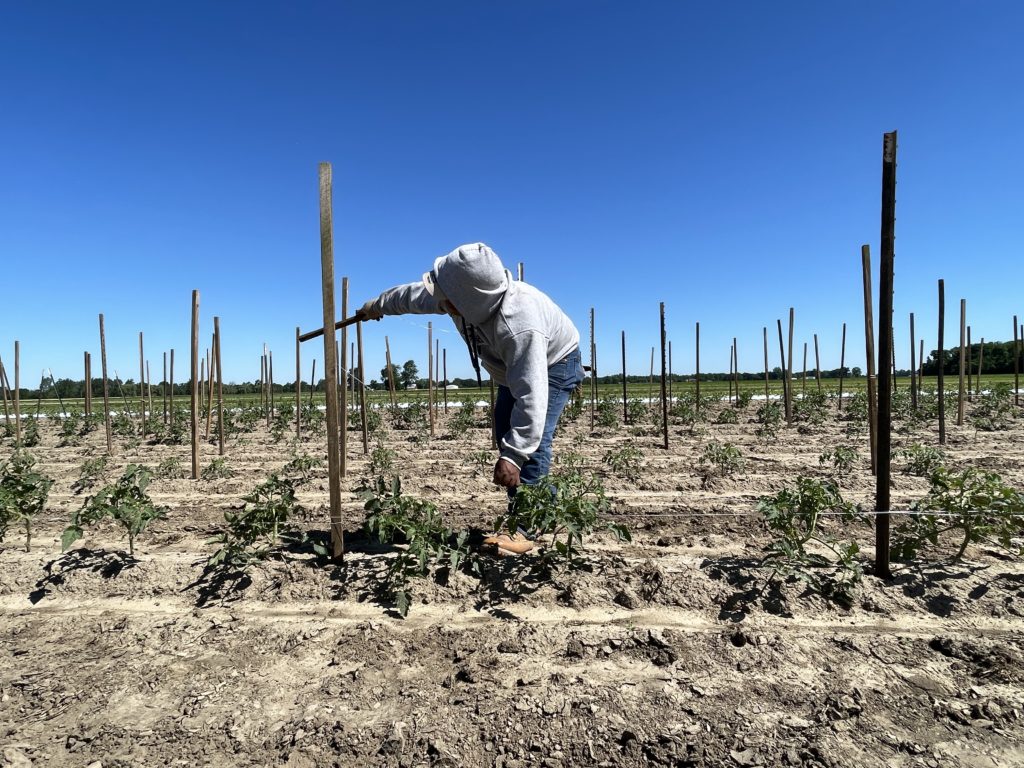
[
  {"x": 23, "y": 494},
  {"x": 169, "y": 469},
  {"x": 794, "y": 516},
  {"x": 922, "y": 460},
  {"x": 481, "y": 462},
  {"x": 565, "y": 507},
  {"x": 460, "y": 422},
  {"x": 842, "y": 458},
  {"x": 126, "y": 501},
  {"x": 253, "y": 531},
  {"x": 994, "y": 410},
  {"x": 217, "y": 470},
  {"x": 90, "y": 473},
  {"x": 727, "y": 416},
  {"x": 300, "y": 467},
  {"x": 392, "y": 516},
  {"x": 724, "y": 459},
  {"x": 769, "y": 421},
  {"x": 626, "y": 462},
  {"x": 977, "y": 504}
]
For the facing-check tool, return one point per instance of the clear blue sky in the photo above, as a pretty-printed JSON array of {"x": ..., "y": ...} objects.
[{"x": 724, "y": 158}]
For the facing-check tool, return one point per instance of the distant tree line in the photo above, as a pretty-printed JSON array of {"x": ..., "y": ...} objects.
[{"x": 998, "y": 359}]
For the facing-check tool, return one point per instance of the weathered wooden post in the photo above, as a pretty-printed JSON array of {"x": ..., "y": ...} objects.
[
  {"x": 17, "y": 392},
  {"x": 362, "y": 386},
  {"x": 696, "y": 374},
  {"x": 664, "y": 372},
  {"x": 430, "y": 375},
  {"x": 981, "y": 361},
  {"x": 330, "y": 361},
  {"x": 391, "y": 373},
  {"x": 171, "y": 388},
  {"x": 195, "y": 385},
  {"x": 869, "y": 343},
  {"x": 842, "y": 367},
  {"x": 88, "y": 386},
  {"x": 625, "y": 409},
  {"x": 220, "y": 387},
  {"x": 885, "y": 352},
  {"x": 106, "y": 391},
  {"x": 963, "y": 362},
  {"x": 344, "y": 375},
  {"x": 1016, "y": 365},
  {"x": 803, "y": 383},
  {"x": 970, "y": 364},
  {"x": 593, "y": 373},
  {"x": 789, "y": 368},
  {"x": 767, "y": 394},
  {"x": 941, "y": 383},
  {"x": 444, "y": 380},
  {"x": 4, "y": 389},
  {"x": 817, "y": 363},
  {"x": 298, "y": 384},
  {"x": 782, "y": 370},
  {"x": 914, "y": 381},
  {"x": 163, "y": 389}
]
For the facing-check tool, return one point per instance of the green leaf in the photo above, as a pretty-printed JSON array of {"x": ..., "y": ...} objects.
[{"x": 71, "y": 534}]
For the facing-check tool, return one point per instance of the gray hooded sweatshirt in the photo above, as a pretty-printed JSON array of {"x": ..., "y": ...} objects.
[{"x": 519, "y": 331}]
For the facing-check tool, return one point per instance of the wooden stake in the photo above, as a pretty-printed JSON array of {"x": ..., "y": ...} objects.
[
  {"x": 789, "y": 370},
  {"x": 664, "y": 386},
  {"x": 650, "y": 385},
  {"x": 494, "y": 423},
  {"x": 430, "y": 374},
  {"x": 391, "y": 373},
  {"x": 941, "y": 384},
  {"x": 195, "y": 385},
  {"x": 298, "y": 385},
  {"x": 270, "y": 380},
  {"x": 142, "y": 379},
  {"x": 520, "y": 271},
  {"x": 346, "y": 365},
  {"x": 920, "y": 364},
  {"x": 670, "y": 397},
  {"x": 210, "y": 393},
  {"x": 171, "y": 407},
  {"x": 444, "y": 373},
  {"x": 767, "y": 394},
  {"x": 625, "y": 410},
  {"x": 970, "y": 364},
  {"x": 981, "y": 361},
  {"x": 914, "y": 381},
  {"x": 312, "y": 382},
  {"x": 963, "y": 363},
  {"x": 106, "y": 390},
  {"x": 842, "y": 367},
  {"x": 330, "y": 361},
  {"x": 362, "y": 386},
  {"x": 885, "y": 352},
  {"x": 817, "y": 363},
  {"x": 803, "y": 384},
  {"x": 220, "y": 387},
  {"x": 149, "y": 390},
  {"x": 3, "y": 387},
  {"x": 17, "y": 392},
  {"x": 696, "y": 374},
  {"x": 163, "y": 389},
  {"x": 88, "y": 384},
  {"x": 1017, "y": 385},
  {"x": 782, "y": 372},
  {"x": 593, "y": 374},
  {"x": 736, "y": 368},
  {"x": 869, "y": 343}
]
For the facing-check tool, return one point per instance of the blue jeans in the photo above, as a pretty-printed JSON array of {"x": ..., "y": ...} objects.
[{"x": 563, "y": 378}]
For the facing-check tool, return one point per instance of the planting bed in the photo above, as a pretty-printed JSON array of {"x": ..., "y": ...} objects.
[{"x": 660, "y": 651}]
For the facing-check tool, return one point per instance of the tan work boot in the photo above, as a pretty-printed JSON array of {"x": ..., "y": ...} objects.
[{"x": 509, "y": 544}]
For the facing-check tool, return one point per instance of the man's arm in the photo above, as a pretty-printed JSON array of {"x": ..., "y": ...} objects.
[{"x": 408, "y": 299}]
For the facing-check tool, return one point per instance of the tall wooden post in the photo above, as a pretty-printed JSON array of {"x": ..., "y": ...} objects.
[
  {"x": 650, "y": 385},
  {"x": 869, "y": 343},
  {"x": 494, "y": 428},
  {"x": 593, "y": 374},
  {"x": 696, "y": 374},
  {"x": 941, "y": 384},
  {"x": 17, "y": 392},
  {"x": 106, "y": 390},
  {"x": 430, "y": 375},
  {"x": 736, "y": 368},
  {"x": 885, "y": 352},
  {"x": 664, "y": 389},
  {"x": 914, "y": 382},
  {"x": 444, "y": 381},
  {"x": 842, "y": 367},
  {"x": 670, "y": 399},
  {"x": 803, "y": 382},
  {"x": 171, "y": 388},
  {"x": 142, "y": 379},
  {"x": 298, "y": 384},
  {"x": 782, "y": 370},
  {"x": 970, "y": 365},
  {"x": 789, "y": 368},
  {"x": 625, "y": 410},
  {"x": 391, "y": 373},
  {"x": 88, "y": 386},
  {"x": 981, "y": 362},
  {"x": 195, "y": 385},
  {"x": 346, "y": 366},
  {"x": 330, "y": 360},
  {"x": 1016, "y": 364},
  {"x": 817, "y": 363},
  {"x": 767, "y": 394},
  {"x": 220, "y": 387},
  {"x": 963, "y": 362},
  {"x": 362, "y": 386},
  {"x": 163, "y": 389},
  {"x": 4, "y": 389}
]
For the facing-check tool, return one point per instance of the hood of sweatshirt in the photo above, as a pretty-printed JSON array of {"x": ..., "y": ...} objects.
[{"x": 474, "y": 280}]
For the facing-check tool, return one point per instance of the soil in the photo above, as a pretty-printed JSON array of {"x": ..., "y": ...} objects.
[{"x": 662, "y": 651}]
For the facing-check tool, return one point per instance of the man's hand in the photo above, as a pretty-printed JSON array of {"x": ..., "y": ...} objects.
[
  {"x": 370, "y": 312},
  {"x": 506, "y": 474}
]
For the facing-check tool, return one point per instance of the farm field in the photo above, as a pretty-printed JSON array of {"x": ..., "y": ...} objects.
[{"x": 672, "y": 649}]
